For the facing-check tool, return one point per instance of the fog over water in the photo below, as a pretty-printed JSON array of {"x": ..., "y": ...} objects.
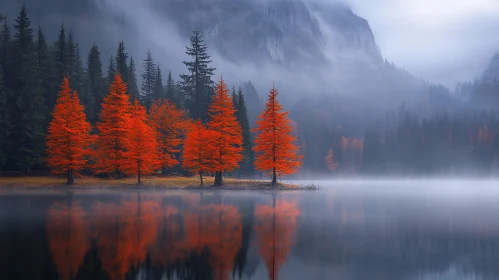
[{"x": 391, "y": 229}]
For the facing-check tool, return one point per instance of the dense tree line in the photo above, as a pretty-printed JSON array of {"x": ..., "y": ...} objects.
[
  {"x": 332, "y": 140},
  {"x": 32, "y": 70},
  {"x": 465, "y": 143},
  {"x": 406, "y": 143}
]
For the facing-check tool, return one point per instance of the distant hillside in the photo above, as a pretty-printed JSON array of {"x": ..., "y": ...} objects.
[{"x": 306, "y": 49}]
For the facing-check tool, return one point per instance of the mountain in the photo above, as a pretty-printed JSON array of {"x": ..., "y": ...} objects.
[
  {"x": 284, "y": 31},
  {"x": 491, "y": 73},
  {"x": 308, "y": 49}
]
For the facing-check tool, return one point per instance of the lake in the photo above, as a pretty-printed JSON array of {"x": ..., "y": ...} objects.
[{"x": 347, "y": 230}]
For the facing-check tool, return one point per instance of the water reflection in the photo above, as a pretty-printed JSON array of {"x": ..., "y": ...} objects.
[
  {"x": 275, "y": 228},
  {"x": 190, "y": 237},
  {"x": 68, "y": 237},
  {"x": 223, "y": 235}
]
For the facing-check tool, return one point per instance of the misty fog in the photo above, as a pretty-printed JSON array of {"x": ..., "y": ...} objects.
[{"x": 399, "y": 75}]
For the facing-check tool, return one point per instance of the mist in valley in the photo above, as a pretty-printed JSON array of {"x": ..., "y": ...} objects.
[{"x": 391, "y": 88}]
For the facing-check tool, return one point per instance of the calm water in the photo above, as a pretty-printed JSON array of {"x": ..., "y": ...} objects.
[{"x": 347, "y": 230}]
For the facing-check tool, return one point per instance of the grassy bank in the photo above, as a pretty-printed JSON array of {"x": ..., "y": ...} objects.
[{"x": 149, "y": 182}]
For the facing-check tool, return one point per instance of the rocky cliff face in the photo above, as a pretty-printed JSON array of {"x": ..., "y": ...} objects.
[
  {"x": 283, "y": 31},
  {"x": 306, "y": 48}
]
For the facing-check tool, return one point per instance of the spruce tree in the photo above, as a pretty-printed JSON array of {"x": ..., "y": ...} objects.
[
  {"x": 170, "y": 90},
  {"x": 235, "y": 103},
  {"x": 28, "y": 104},
  {"x": 122, "y": 63},
  {"x": 247, "y": 166},
  {"x": 79, "y": 72},
  {"x": 111, "y": 71},
  {"x": 75, "y": 66},
  {"x": 159, "y": 89},
  {"x": 148, "y": 80},
  {"x": 4, "y": 123},
  {"x": 71, "y": 52},
  {"x": 46, "y": 70},
  {"x": 197, "y": 85},
  {"x": 133, "y": 87},
  {"x": 4, "y": 44},
  {"x": 61, "y": 57},
  {"x": 95, "y": 85}
]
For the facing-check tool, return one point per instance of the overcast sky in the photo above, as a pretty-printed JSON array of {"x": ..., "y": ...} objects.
[{"x": 441, "y": 40}]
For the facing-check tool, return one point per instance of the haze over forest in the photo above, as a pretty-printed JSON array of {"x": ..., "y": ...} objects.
[{"x": 348, "y": 94}]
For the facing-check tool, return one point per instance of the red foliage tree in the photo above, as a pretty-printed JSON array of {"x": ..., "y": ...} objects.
[
  {"x": 330, "y": 160},
  {"x": 140, "y": 156},
  {"x": 114, "y": 127},
  {"x": 68, "y": 139},
  {"x": 275, "y": 150},
  {"x": 228, "y": 144},
  {"x": 199, "y": 150},
  {"x": 170, "y": 125}
]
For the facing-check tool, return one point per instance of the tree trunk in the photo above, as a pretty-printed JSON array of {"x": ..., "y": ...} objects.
[
  {"x": 201, "y": 177},
  {"x": 218, "y": 178},
  {"x": 138, "y": 178},
  {"x": 71, "y": 179},
  {"x": 274, "y": 178},
  {"x": 164, "y": 171}
]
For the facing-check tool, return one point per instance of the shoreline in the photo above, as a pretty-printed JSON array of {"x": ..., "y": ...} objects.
[{"x": 149, "y": 183}]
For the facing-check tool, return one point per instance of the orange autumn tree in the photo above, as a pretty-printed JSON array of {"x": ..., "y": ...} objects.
[
  {"x": 228, "y": 144},
  {"x": 169, "y": 124},
  {"x": 330, "y": 161},
  {"x": 114, "y": 127},
  {"x": 275, "y": 150},
  {"x": 140, "y": 157},
  {"x": 199, "y": 150},
  {"x": 68, "y": 138}
]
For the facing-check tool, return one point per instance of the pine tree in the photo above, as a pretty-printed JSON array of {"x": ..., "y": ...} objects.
[
  {"x": 79, "y": 74},
  {"x": 71, "y": 56},
  {"x": 148, "y": 80},
  {"x": 247, "y": 166},
  {"x": 228, "y": 144},
  {"x": 68, "y": 139},
  {"x": 46, "y": 70},
  {"x": 4, "y": 123},
  {"x": 198, "y": 150},
  {"x": 276, "y": 153},
  {"x": 235, "y": 103},
  {"x": 140, "y": 156},
  {"x": 114, "y": 127},
  {"x": 4, "y": 45},
  {"x": 95, "y": 85},
  {"x": 61, "y": 56},
  {"x": 170, "y": 125},
  {"x": 197, "y": 85},
  {"x": 27, "y": 104},
  {"x": 170, "y": 90},
  {"x": 75, "y": 65},
  {"x": 111, "y": 71},
  {"x": 159, "y": 89},
  {"x": 132, "y": 84},
  {"x": 121, "y": 63}
]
